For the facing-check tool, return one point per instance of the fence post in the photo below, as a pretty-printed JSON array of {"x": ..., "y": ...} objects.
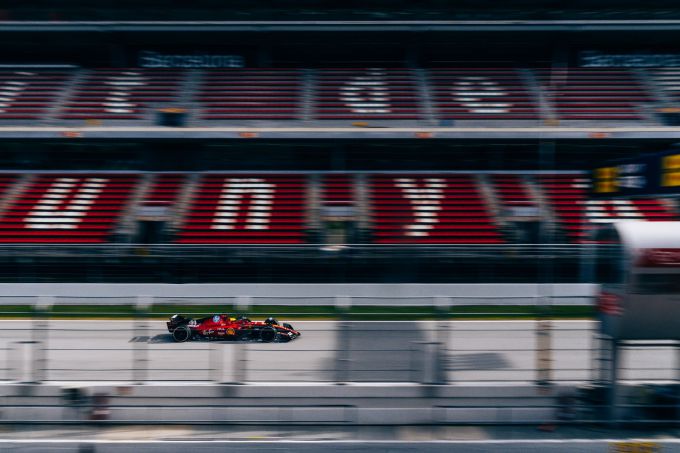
[
  {"x": 442, "y": 306},
  {"x": 40, "y": 337},
  {"x": 543, "y": 341},
  {"x": 240, "y": 350},
  {"x": 140, "y": 366},
  {"x": 343, "y": 304}
]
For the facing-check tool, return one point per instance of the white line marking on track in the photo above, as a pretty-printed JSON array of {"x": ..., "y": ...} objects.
[
  {"x": 322, "y": 320},
  {"x": 350, "y": 442}
]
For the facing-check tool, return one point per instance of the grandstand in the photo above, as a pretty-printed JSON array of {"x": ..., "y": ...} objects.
[
  {"x": 508, "y": 96},
  {"x": 276, "y": 208},
  {"x": 296, "y": 139},
  {"x": 428, "y": 162}
]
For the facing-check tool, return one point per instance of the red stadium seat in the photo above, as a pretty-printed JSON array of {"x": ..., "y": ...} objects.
[
  {"x": 368, "y": 93},
  {"x": 428, "y": 209},
  {"x": 29, "y": 94},
  {"x": 74, "y": 208},
  {"x": 577, "y": 214},
  {"x": 251, "y": 94},
  {"x": 247, "y": 209},
  {"x": 594, "y": 94},
  {"x": 122, "y": 94},
  {"x": 481, "y": 93}
]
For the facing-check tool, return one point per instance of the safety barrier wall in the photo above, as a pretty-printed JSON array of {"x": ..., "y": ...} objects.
[
  {"x": 321, "y": 405},
  {"x": 300, "y": 294},
  {"x": 353, "y": 364}
]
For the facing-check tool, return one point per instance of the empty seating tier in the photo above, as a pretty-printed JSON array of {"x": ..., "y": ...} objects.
[
  {"x": 304, "y": 94},
  {"x": 27, "y": 95},
  {"x": 67, "y": 208},
  {"x": 511, "y": 191},
  {"x": 251, "y": 94},
  {"x": 443, "y": 209},
  {"x": 668, "y": 80},
  {"x": 481, "y": 94},
  {"x": 594, "y": 94},
  {"x": 6, "y": 182},
  {"x": 247, "y": 209},
  {"x": 164, "y": 190},
  {"x": 577, "y": 215},
  {"x": 123, "y": 94},
  {"x": 338, "y": 190},
  {"x": 372, "y": 93}
]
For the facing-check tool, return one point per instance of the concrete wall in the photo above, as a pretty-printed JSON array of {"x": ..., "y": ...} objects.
[
  {"x": 302, "y": 294},
  {"x": 357, "y": 404}
]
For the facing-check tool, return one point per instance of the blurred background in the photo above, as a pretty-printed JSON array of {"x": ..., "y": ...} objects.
[{"x": 429, "y": 191}]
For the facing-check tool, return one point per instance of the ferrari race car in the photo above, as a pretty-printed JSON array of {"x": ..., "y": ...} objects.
[{"x": 225, "y": 327}]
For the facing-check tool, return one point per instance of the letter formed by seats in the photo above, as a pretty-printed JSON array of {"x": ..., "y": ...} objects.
[
  {"x": 65, "y": 203},
  {"x": 367, "y": 94},
  {"x": 479, "y": 94},
  {"x": 244, "y": 198},
  {"x": 426, "y": 202}
]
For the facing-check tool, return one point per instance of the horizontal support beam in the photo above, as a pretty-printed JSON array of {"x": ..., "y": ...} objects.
[
  {"x": 342, "y": 26},
  {"x": 424, "y": 133}
]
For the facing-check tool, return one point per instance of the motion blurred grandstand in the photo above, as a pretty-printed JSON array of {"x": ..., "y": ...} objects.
[
  {"x": 381, "y": 141},
  {"x": 286, "y": 142}
]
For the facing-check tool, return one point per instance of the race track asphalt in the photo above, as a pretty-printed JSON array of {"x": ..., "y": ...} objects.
[{"x": 327, "y": 351}]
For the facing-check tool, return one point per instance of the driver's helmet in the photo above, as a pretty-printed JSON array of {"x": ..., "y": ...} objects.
[{"x": 271, "y": 321}]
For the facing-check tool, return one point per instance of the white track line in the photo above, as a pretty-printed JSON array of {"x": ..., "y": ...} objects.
[
  {"x": 668, "y": 440},
  {"x": 302, "y": 321}
]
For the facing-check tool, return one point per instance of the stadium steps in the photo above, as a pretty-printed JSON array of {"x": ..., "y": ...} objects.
[
  {"x": 566, "y": 196},
  {"x": 657, "y": 95},
  {"x": 427, "y": 107},
  {"x": 307, "y": 107},
  {"x": 14, "y": 191},
  {"x": 184, "y": 201},
  {"x": 313, "y": 211},
  {"x": 663, "y": 83},
  {"x": 494, "y": 205},
  {"x": 363, "y": 208},
  {"x": 53, "y": 112},
  {"x": 337, "y": 192},
  {"x": 187, "y": 98},
  {"x": 127, "y": 225},
  {"x": 546, "y": 213},
  {"x": 544, "y": 106},
  {"x": 673, "y": 205}
]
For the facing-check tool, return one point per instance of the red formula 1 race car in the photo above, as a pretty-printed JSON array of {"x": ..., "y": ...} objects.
[{"x": 226, "y": 327}]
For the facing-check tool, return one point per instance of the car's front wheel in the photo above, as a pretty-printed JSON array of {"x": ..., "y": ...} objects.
[{"x": 181, "y": 334}]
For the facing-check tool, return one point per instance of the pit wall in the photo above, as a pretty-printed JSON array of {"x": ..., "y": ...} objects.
[{"x": 311, "y": 294}]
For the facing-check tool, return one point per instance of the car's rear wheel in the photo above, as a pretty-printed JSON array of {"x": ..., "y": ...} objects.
[
  {"x": 268, "y": 334},
  {"x": 181, "y": 334}
]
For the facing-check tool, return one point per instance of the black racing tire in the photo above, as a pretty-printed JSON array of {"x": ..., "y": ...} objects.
[
  {"x": 268, "y": 334},
  {"x": 288, "y": 326},
  {"x": 181, "y": 334}
]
